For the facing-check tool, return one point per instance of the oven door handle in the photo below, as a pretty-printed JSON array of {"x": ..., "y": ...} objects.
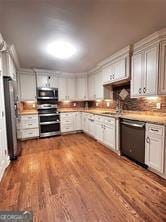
[
  {"x": 138, "y": 125},
  {"x": 49, "y": 123},
  {"x": 49, "y": 114}
]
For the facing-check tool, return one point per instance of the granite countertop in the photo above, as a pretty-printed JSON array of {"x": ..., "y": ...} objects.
[{"x": 156, "y": 118}]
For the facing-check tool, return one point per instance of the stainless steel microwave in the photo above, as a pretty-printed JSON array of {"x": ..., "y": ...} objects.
[{"x": 44, "y": 93}]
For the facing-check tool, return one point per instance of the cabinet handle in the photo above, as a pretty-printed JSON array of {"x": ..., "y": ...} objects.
[
  {"x": 139, "y": 91},
  {"x": 144, "y": 90},
  {"x": 148, "y": 139},
  {"x": 154, "y": 130},
  {"x": 113, "y": 76},
  {"x": 110, "y": 77}
]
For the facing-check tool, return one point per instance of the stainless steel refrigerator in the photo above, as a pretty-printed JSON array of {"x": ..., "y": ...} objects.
[{"x": 14, "y": 145}]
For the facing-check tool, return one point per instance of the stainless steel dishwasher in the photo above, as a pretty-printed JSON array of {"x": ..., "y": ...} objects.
[{"x": 132, "y": 140}]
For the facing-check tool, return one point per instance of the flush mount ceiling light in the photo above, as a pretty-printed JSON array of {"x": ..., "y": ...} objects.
[{"x": 61, "y": 49}]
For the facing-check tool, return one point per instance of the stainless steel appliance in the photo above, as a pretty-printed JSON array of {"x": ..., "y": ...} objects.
[
  {"x": 132, "y": 140},
  {"x": 49, "y": 120},
  {"x": 14, "y": 145},
  {"x": 44, "y": 93}
]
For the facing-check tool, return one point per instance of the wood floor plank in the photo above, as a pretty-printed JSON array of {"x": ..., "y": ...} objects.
[{"x": 73, "y": 178}]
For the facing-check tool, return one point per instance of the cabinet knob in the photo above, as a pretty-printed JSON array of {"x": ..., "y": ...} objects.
[
  {"x": 148, "y": 139},
  {"x": 144, "y": 90}
]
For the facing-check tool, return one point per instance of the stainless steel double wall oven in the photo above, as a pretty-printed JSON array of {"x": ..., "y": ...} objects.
[{"x": 49, "y": 116}]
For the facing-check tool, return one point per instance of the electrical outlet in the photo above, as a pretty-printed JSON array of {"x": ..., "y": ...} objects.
[
  {"x": 97, "y": 104},
  {"x": 74, "y": 104},
  {"x": 158, "y": 105},
  {"x": 108, "y": 104},
  {"x": 34, "y": 105}
]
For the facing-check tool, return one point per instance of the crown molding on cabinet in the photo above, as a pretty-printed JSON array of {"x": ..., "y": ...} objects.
[{"x": 150, "y": 40}]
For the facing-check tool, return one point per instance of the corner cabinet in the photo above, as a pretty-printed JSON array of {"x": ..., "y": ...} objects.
[
  {"x": 155, "y": 148},
  {"x": 148, "y": 66},
  {"x": 96, "y": 90},
  {"x": 117, "y": 68}
]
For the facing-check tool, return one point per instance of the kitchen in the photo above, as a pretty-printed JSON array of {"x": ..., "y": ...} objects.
[{"x": 83, "y": 134}]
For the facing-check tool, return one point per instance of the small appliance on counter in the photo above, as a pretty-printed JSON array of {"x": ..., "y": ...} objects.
[{"x": 49, "y": 117}]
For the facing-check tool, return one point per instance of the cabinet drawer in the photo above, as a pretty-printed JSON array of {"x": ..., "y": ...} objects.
[
  {"x": 66, "y": 128},
  {"x": 28, "y": 122},
  {"x": 109, "y": 121},
  {"x": 155, "y": 129},
  {"x": 63, "y": 115},
  {"x": 30, "y": 133},
  {"x": 98, "y": 118}
]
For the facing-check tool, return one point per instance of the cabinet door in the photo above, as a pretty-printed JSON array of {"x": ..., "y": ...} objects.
[
  {"x": 99, "y": 131},
  {"x": 62, "y": 89},
  {"x": 71, "y": 89},
  {"x": 42, "y": 80},
  {"x": 53, "y": 81},
  {"x": 162, "y": 69},
  {"x": 91, "y": 87},
  {"x": 120, "y": 72},
  {"x": 27, "y": 86},
  {"x": 155, "y": 152},
  {"x": 91, "y": 127},
  {"x": 99, "y": 90},
  {"x": 136, "y": 80},
  {"x": 84, "y": 122},
  {"x": 81, "y": 88},
  {"x": 109, "y": 136},
  {"x": 150, "y": 74},
  {"x": 77, "y": 121}
]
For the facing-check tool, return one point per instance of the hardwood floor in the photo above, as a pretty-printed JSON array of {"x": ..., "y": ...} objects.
[{"x": 75, "y": 179}]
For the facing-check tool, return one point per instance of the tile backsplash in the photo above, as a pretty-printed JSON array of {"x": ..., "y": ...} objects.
[{"x": 133, "y": 104}]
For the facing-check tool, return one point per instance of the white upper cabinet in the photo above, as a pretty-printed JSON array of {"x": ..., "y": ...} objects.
[
  {"x": 96, "y": 90},
  {"x": 47, "y": 80},
  {"x": 62, "y": 89},
  {"x": 8, "y": 66},
  {"x": 66, "y": 89},
  {"x": 91, "y": 87},
  {"x": 27, "y": 83},
  {"x": 117, "y": 68},
  {"x": 99, "y": 89},
  {"x": 81, "y": 88},
  {"x": 145, "y": 72},
  {"x": 162, "y": 69},
  {"x": 71, "y": 89},
  {"x": 53, "y": 81},
  {"x": 148, "y": 66},
  {"x": 137, "y": 69},
  {"x": 42, "y": 80}
]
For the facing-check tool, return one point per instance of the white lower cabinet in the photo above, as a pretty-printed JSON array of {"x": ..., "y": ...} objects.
[
  {"x": 70, "y": 121},
  {"x": 105, "y": 131},
  {"x": 77, "y": 121},
  {"x": 109, "y": 136},
  {"x": 91, "y": 125},
  {"x": 28, "y": 127},
  {"x": 155, "y": 147},
  {"x": 85, "y": 122}
]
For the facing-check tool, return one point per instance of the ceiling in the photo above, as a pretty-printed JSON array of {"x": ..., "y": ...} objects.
[{"x": 98, "y": 28}]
